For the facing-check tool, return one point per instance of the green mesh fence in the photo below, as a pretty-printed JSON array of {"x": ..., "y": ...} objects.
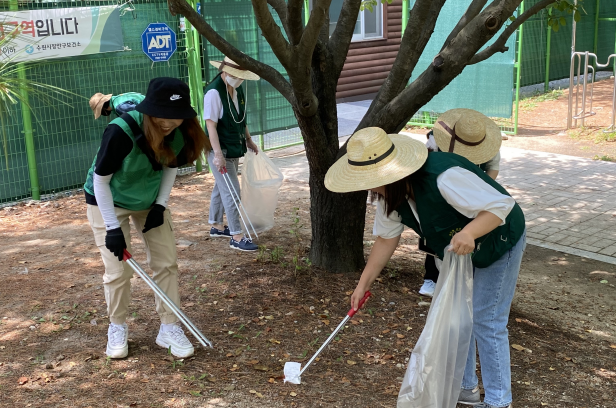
[
  {"x": 468, "y": 90},
  {"x": 269, "y": 114},
  {"x": 14, "y": 175},
  {"x": 594, "y": 33},
  {"x": 66, "y": 138}
]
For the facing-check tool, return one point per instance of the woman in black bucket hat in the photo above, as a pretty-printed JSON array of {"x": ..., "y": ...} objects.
[{"x": 131, "y": 177}]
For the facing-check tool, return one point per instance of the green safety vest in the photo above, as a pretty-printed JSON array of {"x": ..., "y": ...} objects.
[
  {"x": 231, "y": 135},
  {"x": 135, "y": 185},
  {"x": 440, "y": 221}
]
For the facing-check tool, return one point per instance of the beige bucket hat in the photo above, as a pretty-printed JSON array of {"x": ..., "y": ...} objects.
[
  {"x": 230, "y": 67},
  {"x": 375, "y": 159},
  {"x": 469, "y": 133},
  {"x": 96, "y": 103}
]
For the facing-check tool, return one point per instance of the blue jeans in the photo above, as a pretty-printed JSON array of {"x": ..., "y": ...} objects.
[
  {"x": 493, "y": 289},
  {"x": 223, "y": 200}
]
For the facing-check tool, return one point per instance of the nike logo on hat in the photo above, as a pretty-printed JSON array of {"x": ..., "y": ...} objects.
[{"x": 175, "y": 97}]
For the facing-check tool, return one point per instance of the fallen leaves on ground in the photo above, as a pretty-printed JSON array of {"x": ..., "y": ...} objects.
[{"x": 258, "y": 394}]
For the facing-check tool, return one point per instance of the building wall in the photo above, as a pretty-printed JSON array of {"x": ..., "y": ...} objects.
[{"x": 368, "y": 62}]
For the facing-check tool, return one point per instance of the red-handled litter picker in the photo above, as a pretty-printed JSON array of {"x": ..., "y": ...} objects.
[
  {"x": 128, "y": 258},
  {"x": 292, "y": 372}
]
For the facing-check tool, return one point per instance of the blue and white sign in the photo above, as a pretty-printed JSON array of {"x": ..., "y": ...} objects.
[
  {"x": 158, "y": 42},
  {"x": 199, "y": 8}
]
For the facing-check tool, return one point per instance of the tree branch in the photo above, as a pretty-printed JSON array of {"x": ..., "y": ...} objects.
[
  {"x": 272, "y": 33},
  {"x": 420, "y": 27},
  {"x": 318, "y": 16},
  {"x": 296, "y": 25},
  {"x": 281, "y": 9},
  {"x": 499, "y": 44},
  {"x": 340, "y": 40},
  {"x": 471, "y": 12},
  {"x": 447, "y": 65},
  {"x": 263, "y": 70}
]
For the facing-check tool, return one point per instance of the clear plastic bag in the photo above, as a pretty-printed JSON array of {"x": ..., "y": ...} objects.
[
  {"x": 434, "y": 375},
  {"x": 261, "y": 180}
]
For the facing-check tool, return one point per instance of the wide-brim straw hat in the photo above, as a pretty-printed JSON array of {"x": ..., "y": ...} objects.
[
  {"x": 96, "y": 103},
  {"x": 229, "y": 66},
  {"x": 375, "y": 159},
  {"x": 477, "y": 137}
]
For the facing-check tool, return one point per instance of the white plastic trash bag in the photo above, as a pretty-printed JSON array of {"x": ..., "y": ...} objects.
[
  {"x": 261, "y": 180},
  {"x": 434, "y": 375}
]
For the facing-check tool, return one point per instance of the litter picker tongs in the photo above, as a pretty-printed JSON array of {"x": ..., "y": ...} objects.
[
  {"x": 292, "y": 370},
  {"x": 236, "y": 199},
  {"x": 128, "y": 258}
]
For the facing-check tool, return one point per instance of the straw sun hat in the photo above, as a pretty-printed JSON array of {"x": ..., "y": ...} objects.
[
  {"x": 96, "y": 103},
  {"x": 230, "y": 67},
  {"x": 468, "y": 133},
  {"x": 375, "y": 159}
]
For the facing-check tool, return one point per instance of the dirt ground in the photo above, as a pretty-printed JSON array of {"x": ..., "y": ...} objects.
[
  {"x": 261, "y": 310},
  {"x": 542, "y": 125}
]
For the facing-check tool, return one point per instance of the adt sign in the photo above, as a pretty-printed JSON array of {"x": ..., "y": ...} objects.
[{"x": 158, "y": 42}]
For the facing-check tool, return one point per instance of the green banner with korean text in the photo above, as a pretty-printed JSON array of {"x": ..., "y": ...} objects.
[{"x": 57, "y": 33}]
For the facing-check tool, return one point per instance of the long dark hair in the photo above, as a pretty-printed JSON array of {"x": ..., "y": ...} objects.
[
  {"x": 395, "y": 194},
  {"x": 195, "y": 140}
]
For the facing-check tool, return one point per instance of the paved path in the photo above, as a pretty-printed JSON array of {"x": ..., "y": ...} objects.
[{"x": 569, "y": 202}]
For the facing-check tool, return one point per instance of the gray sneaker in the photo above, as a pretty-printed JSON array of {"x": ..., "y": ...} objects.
[
  {"x": 470, "y": 397},
  {"x": 486, "y": 405}
]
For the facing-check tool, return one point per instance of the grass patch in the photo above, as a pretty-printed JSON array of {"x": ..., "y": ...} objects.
[
  {"x": 530, "y": 102},
  {"x": 605, "y": 157},
  {"x": 605, "y": 137}
]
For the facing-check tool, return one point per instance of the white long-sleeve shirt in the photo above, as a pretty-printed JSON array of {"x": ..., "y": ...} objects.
[
  {"x": 466, "y": 192},
  {"x": 104, "y": 198}
]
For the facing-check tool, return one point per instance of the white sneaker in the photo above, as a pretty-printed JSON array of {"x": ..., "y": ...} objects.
[
  {"x": 427, "y": 289},
  {"x": 117, "y": 341},
  {"x": 175, "y": 338}
]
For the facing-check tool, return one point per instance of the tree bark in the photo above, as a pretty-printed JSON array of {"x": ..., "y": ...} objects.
[{"x": 338, "y": 220}]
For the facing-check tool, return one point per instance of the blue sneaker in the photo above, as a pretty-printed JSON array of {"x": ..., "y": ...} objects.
[
  {"x": 244, "y": 244},
  {"x": 216, "y": 233}
]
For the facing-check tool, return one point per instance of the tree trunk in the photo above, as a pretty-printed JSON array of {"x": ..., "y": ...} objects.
[
  {"x": 337, "y": 219},
  {"x": 337, "y": 228}
]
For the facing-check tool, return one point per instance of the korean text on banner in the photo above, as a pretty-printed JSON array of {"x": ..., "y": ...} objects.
[{"x": 57, "y": 33}]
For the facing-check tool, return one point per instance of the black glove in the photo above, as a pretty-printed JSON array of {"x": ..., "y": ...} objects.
[
  {"x": 114, "y": 241},
  {"x": 156, "y": 218}
]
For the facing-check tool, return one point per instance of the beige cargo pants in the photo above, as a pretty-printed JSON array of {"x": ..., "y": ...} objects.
[{"x": 162, "y": 258}]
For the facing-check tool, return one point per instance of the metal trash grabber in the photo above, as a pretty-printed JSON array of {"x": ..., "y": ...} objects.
[
  {"x": 230, "y": 186},
  {"x": 292, "y": 371},
  {"x": 128, "y": 258}
]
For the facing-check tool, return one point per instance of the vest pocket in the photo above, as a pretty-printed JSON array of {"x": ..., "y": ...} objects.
[{"x": 448, "y": 224}]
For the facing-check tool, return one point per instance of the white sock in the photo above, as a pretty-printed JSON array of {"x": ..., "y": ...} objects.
[{"x": 167, "y": 327}]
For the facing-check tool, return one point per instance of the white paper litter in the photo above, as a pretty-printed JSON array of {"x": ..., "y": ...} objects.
[{"x": 291, "y": 372}]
